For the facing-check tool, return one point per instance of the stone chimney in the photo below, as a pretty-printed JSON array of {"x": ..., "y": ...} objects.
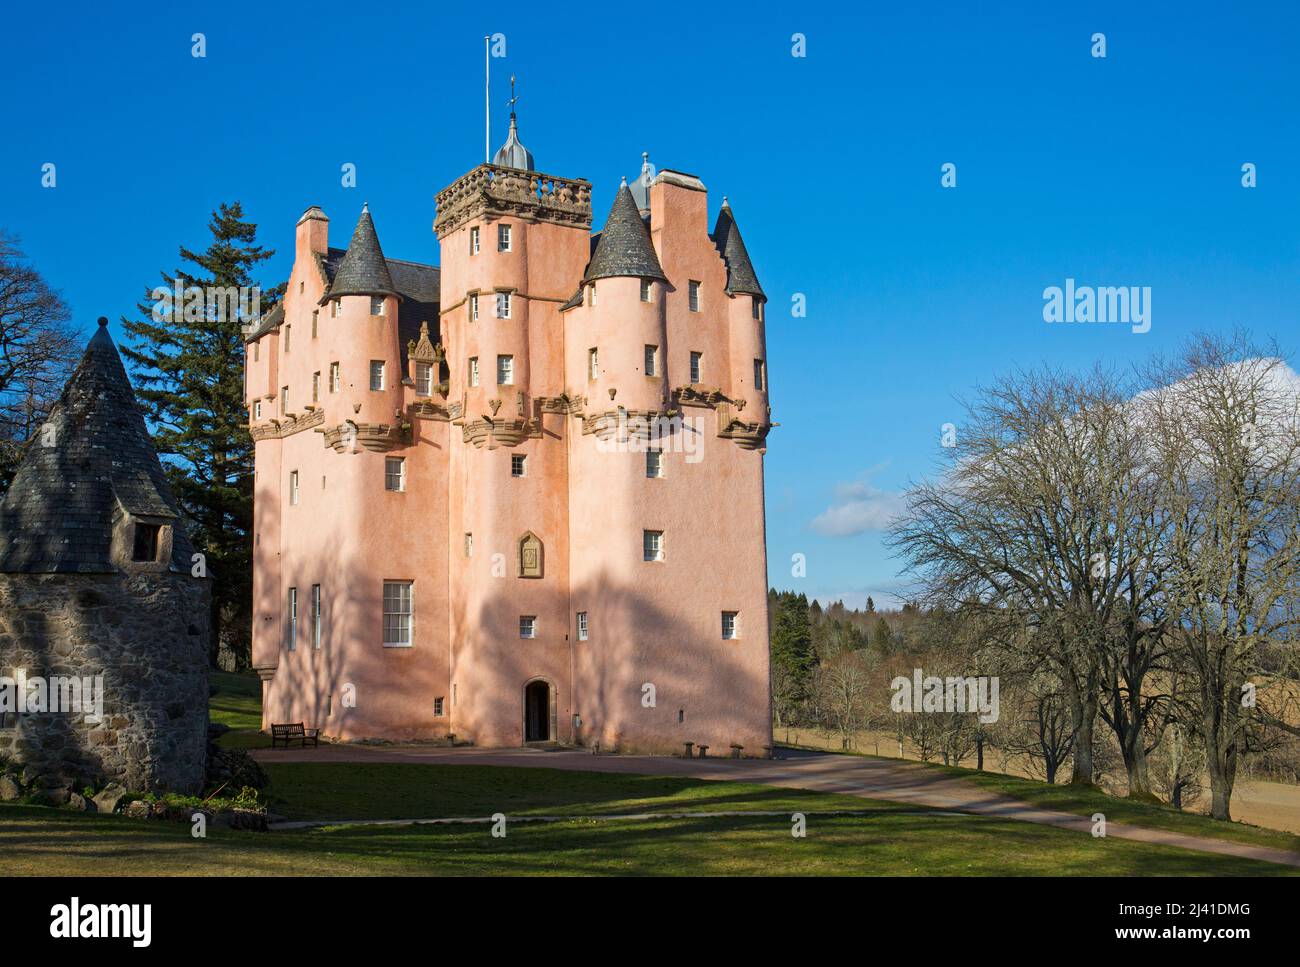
[{"x": 313, "y": 233}]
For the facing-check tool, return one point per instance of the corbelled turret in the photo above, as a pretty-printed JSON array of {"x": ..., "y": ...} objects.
[{"x": 741, "y": 279}]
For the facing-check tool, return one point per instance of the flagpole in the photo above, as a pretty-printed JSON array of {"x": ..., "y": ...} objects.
[{"x": 487, "y": 100}]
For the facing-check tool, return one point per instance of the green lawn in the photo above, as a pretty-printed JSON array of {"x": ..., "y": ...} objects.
[
  {"x": 888, "y": 841},
  {"x": 238, "y": 704}
]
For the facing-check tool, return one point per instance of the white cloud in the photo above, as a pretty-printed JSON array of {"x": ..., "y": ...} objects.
[{"x": 859, "y": 508}]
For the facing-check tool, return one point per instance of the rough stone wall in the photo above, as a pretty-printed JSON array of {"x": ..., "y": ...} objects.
[{"x": 146, "y": 634}]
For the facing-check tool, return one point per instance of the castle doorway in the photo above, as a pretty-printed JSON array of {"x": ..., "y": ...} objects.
[{"x": 537, "y": 712}]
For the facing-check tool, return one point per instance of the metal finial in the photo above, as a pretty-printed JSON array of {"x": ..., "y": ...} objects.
[{"x": 513, "y": 97}]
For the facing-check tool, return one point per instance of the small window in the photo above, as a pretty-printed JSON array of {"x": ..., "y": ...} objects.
[
  {"x": 473, "y": 240},
  {"x": 398, "y": 613},
  {"x": 315, "y": 387},
  {"x": 301, "y": 287},
  {"x": 257, "y": 351},
  {"x": 506, "y": 370},
  {"x": 291, "y": 622},
  {"x": 654, "y": 463},
  {"x": 591, "y": 294},
  {"x": 423, "y": 379},
  {"x": 144, "y": 547},
  {"x": 651, "y": 360},
  {"x": 286, "y": 337},
  {"x": 759, "y": 377},
  {"x": 437, "y": 707},
  {"x": 469, "y": 545},
  {"x": 503, "y": 238},
  {"x": 257, "y": 410},
  {"x": 376, "y": 305},
  {"x": 593, "y": 363},
  {"x": 695, "y": 366},
  {"x": 518, "y": 464},
  {"x": 646, "y": 290},
  {"x": 694, "y": 290},
  {"x": 336, "y": 308},
  {"x": 293, "y": 487},
  {"x": 473, "y": 308},
  {"x": 284, "y": 400},
  {"x": 528, "y": 626},
  {"x": 315, "y": 320},
  {"x": 757, "y": 307},
  {"x": 473, "y": 371},
  {"x": 334, "y": 377},
  {"x": 376, "y": 374},
  {"x": 395, "y": 473},
  {"x": 730, "y": 625},
  {"x": 652, "y": 545},
  {"x": 582, "y": 626},
  {"x": 315, "y": 615},
  {"x": 503, "y": 305}
]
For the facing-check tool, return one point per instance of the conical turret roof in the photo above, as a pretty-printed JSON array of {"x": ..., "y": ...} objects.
[
  {"x": 740, "y": 270},
  {"x": 624, "y": 248},
  {"x": 92, "y": 457},
  {"x": 363, "y": 270},
  {"x": 513, "y": 154}
]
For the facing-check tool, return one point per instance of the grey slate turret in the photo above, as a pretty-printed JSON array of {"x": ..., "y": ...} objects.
[
  {"x": 363, "y": 270},
  {"x": 624, "y": 248},
  {"x": 740, "y": 270},
  {"x": 92, "y": 460}
]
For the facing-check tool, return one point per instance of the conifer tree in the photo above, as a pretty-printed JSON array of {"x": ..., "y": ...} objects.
[
  {"x": 792, "y": 643},
  {"x": 187, "y": 359}
]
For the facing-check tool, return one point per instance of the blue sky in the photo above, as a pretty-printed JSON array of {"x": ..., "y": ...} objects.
[{"x": 1117, "y": 171}]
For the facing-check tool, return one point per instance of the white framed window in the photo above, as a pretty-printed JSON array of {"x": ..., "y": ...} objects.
[
  {"x": 760, "y": 377},
  {"x": 291, "y": 619},
  {"x": 473, "y": 308},
  {"x": 757, "y": 307},
  {"x": 473, "y": 371},
  {"x": 528, "y": 626},
  {"x": 654, "y": 463},
  {"x": 473, "y": 240},
  {"x": 376, "y": 305},
  {"x": 395, "y": 473},
  {"x": 399, "y": 611},
  {"x": 647, "y": 290},
  {"x": 730, "y": 625},
  {"x": 591, "y": 294},
  {"x": 518, "y": 464},
  {"x": 287, "y": 328},
  {"x": 438, "y": 707},
  {"x": 284, "y": 400},
  {"x": 293, "y": 487},
  {"x": 652, "y": 545},
  {"x": 582, "y": 626},
  {"x": 334, "y": 377},
  {"x": 423, "y": 379},
  {"x": 696, "y": 359},
  {"x": 315, "y": 615},
  {"x": 503, "y": 305},
  {"x": 593, "y": 363},
  {"x": 376, "y": 374},
  {"x": 652, "y": 360},
  {"x": 506, "y": 370},
  {"x": 469, "y": 544},
  {"x": 503, "y": 237},
  {"x": 693, "y": 289},
  {"x": 315, "y": 387},
  {"x": 257, "y": 410},
  {"x": 336, "y": 308}
]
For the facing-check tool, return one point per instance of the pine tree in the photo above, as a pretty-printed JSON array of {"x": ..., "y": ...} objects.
[
  {"x": 792, "y": 647},
  {"x": 188, "y": 365}
]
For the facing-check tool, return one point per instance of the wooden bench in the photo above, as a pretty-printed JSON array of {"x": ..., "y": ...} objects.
[{"x": 286, "y": 732}]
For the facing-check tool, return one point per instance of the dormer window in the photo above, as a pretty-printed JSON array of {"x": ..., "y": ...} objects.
[
  {"x": 376, "y": 305},
  {"x": 473, "y": 240},
  {"x": 503, "y": 238},
  {"x": 423, "y": 379},
  {"x": 144, "y": 547}
]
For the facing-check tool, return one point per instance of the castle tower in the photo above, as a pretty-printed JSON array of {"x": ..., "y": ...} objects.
[{"x": 97, "y": 582}]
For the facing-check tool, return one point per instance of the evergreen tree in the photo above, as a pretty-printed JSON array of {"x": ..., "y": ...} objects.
[
  {"x": 792, "y": 647},
  {"x": 188, "y": 362},
  {"x": 871, "y": 605}
]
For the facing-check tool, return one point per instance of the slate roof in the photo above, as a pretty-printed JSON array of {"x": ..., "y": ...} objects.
[
  {"x": 624, "y": 247},
  {"x": 419, "y": 286},
  {"x": 364, "y": 270},
  {"x": 740, "y": 270},
  {"x": 58, "y": 513}
]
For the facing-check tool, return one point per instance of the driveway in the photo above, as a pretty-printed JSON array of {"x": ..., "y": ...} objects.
[{"x": 888, "y": 779}]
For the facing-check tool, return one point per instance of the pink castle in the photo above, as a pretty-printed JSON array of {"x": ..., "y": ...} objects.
[{"x": 517, "y": 498}]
